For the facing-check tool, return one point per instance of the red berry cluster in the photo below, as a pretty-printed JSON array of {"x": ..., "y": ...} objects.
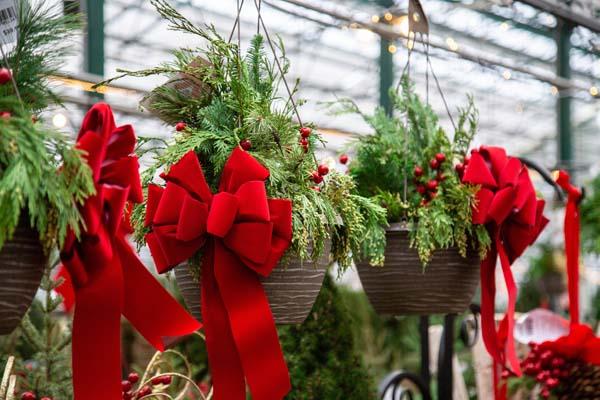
[
  {"x": 305, "y": 132},
  {"x": 127, "y": 386},
  {"x": 317, "y": 176},
  {"x": 428, "y": 187},
  {"x": 546, "y": 367},
  {"x": 32, "y": 396},
  {"x": 344, "y": 159}
]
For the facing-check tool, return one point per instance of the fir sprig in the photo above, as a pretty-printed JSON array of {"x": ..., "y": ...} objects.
[
  {"x": 402, "y": 142},
  {"x": 42, "y": 177},
  {"x": 241, "y": 101}
]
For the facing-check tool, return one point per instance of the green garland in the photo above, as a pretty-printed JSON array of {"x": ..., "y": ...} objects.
[
  {"x": 241, "y": 102},
  {"x": 382, "y": 160},
  {"x": 42, "y": 177}
]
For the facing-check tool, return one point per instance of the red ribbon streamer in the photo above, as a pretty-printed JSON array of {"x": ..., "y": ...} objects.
[
  {"x": 571, "y": 232},
  {"x": 513, "y": 216},
  {"x": 242, "y": 235},
  {"x": 104, "y": 274}
]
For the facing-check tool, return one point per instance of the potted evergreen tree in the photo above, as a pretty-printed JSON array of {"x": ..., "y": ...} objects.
[
  {"x": 412, "y": 167},
  {"x": 42, "y": 177}
]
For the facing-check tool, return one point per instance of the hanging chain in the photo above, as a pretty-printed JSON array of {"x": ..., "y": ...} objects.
[
  {"x": 237, "y": 20},
  {"x": 439, "y": 88},
  {"x": 258, "y": 18}
]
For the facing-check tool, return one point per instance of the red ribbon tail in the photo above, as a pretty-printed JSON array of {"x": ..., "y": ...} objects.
[
  {"x": 488, "y": 295},
  {"x": 225, "y": 366},
  {"x": 571, "y": 232},
  {"x": 508, "y": 325},
  {"x": 147, "y": 305},
  {"x": 253, "y": 327},
  {"x": 97, "y": 335}
]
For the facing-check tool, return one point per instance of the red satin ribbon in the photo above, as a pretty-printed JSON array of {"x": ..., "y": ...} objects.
[
  {"x": 104, "y": 274},
  {"x": 571, "y": 232},
  {"x": 513, "y": 216},
  {"x": 242, "y": 235}
]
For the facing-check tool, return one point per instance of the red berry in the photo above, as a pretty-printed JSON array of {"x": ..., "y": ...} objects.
[
  {"x": 440, "y": 177},
  {"x": 167, "y": 379},
  {"x": 127, "y": 395},
  {"x": 316, "y": 177},
  {"x": 440, "y": 157},
  {"x": 558, "y": 362},
  {"x": 46, "y": 398},
  {"x": 421, "y": 189},
  {"x": 545, "y": 393},
  {"x": 323, "y": 169},
  {"x": 25, "y": 395},
  {"x": 126, "y": 386},
  {"x": 145, "y": 391},
  {"x": 434, "y": 164},
  {"x": 5, "y": 76},
  {"x": 542, "y": 376},
  {"x": 304, "y": 142},
  {"x": 5, "y": 115},
  {"x": 418, "y": 171},
  {"x": 551, "y": 383},
  {"x": 180, "y": 126},
  {"x": 424, "y": 202},
  {"x": 157, "y": 380},
  {"x": 432, "y": 185},
  {"x": 432, "y": 195},
  {"x": 246, "y": 144},
  {"x": 460, "y": 168},
  {"x": 305, "y": 148},
  {"x": 305, "y": 131},
  {"x": 133, "y": 377},
  {"x": 344, "y": 159},
  {"x": 316, "y": 188},
  {"x": 546, "y": 357}
]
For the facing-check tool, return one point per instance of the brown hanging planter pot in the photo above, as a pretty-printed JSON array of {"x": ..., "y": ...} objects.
[
  {"x": 403, "y": 287},
  {"x": 22, "y": 263},
  {"x": 292, "y": 288}
]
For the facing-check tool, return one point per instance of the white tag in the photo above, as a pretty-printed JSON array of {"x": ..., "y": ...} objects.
[{"x": 8, "y": 21}]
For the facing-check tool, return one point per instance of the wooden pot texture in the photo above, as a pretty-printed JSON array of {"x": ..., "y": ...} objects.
[
  {"x": 292, "y": 288},
  {"x": 403, "y": 287},
  {"x": 22, "y": 263}
]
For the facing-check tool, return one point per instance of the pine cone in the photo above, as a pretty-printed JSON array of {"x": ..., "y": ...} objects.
[{"x": 582, "y": 383}]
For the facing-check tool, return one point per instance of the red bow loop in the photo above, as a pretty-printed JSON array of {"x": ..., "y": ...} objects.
[
  {"x": 105, "y": 278},
  {"x": 242, "y": 234},
  {"x": 508, "y": 206}
]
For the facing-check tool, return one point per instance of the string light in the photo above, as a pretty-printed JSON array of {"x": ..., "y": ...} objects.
[
  {"x": 375, "y": 19},
  {"x": 594, "y": 91},
  {"x": 392, "y": 48},
  {"x": 554, "y": 90},
  {"x": 506, "y": 74},
  {"x": 388, "y": 16},
  {"x": 452, "y": 45},
  {"x": 504, "y": 26},
  {"x": 59, "y": 120}
]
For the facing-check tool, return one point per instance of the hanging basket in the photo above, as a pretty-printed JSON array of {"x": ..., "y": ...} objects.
[
  {"x": 403, "y": 287},
  {"x": 22, "y": 263},
  {"x": 292, "y": 288}
]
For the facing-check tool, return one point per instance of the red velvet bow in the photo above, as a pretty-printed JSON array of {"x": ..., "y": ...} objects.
[
  {"x": 242, "y": 235},
  {"x": 104, "y": 272},
  {"x": 579, "y": 344},
  {"x": 513, "y": 216}
]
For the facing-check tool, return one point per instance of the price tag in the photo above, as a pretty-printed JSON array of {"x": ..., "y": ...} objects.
[{"x": 9, "y": 21}]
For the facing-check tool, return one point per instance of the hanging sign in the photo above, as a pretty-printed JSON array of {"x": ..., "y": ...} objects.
[{"x": 8, "y": 21}]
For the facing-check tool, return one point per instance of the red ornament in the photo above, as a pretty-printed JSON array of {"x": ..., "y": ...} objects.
[
  {"x": 27, "y": 395},
  {"x": 432, "y": 185},
  {"x": 5, "y": 76},
  {"x": 323, "y": 169},
  {"x": 305, "y": 131},
  {"x": 246, "y": 144},
  {"x": 421, "y": 189},
  {"x": 459, "y": 168},
  {"x": 316, "y": 177},
  {"x": 440, "y": 157},
  {"x": 126, "y": 386},
  {"x": 434, "y": 164},
  {"x": 344, "y": 159},
  {"x": 418, "y": 171},
  {"x": 133, "y": 377},
  {"x": 180, "y": 126}
]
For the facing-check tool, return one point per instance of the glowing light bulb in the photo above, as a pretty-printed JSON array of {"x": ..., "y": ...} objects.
[
  {"x": 594, "y": 91},
  {"x": 506, "y": 74},
  {"x": 554, "y": 90},
  {"x": 392, "y": 48},
  {"x": 388, "y": 16},
  {"x": 504, "y": 26},
  {"x": 375, "y": 19},
  {"x": 59, "y": 120},
  {"x": 452, "y": 45}
]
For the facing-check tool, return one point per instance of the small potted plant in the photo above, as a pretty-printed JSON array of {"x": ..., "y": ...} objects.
[
  {"x": 42, "y": 177},
  {"x": 412, "y": 167}
]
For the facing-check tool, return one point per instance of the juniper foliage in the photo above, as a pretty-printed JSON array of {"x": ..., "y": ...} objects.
[
  {"x": 408, "y": 139},
  {"x": 41, "y": 174},
  {"x": 241, "y": 100}
]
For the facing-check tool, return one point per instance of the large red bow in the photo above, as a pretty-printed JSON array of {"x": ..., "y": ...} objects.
[
  {"x": 106, "y": 275},
  {"x": 508, "y": 206},
  {"x": 242, "y": 235}
]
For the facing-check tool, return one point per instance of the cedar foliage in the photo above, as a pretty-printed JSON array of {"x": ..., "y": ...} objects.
[
  {"x": 40, "y": 172},
  {"x": 242, "y": 101},
  {"x": 385, "y": 157}
]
